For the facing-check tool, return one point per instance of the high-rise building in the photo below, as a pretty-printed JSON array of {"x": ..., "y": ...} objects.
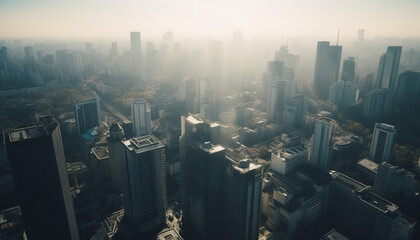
[
  {"x": 143, "y": 175},
  {"x": 388, "y": 68},
  {"x": 344, "y": 93},
  {"x": 278, "y": 95},
  {"x": 202, "y": 169},
  {"x": 377, "y": 102},
  {"x": 283, "y": 55},
  {"x": 242, "y": 200},
  {"x": 88, "y": 114},
  {"x": 382, "y": 142},
  {"x": 408, "y": 85},
  {"x": 202, "y": 180},
  {"x": 135, "y": 51},
  {"x": 321, "y": 147},
  {"x": 297, "y": 107},
  {"x": 142, "y": 123},
  {"x": 115, "y": 148},
  {"x": 327, "y": 66},
  {"x": 393, "y": 182},
  {"x": 37, "y": 163},
  {"x": 348, "y": 71}
]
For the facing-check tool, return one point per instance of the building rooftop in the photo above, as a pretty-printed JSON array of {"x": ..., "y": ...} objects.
[
  {"x": 143, "y": 144},
  {"x": 27, "y": 133},
  {"x": 210, "y": 148},
  {"x": 100, "y": 152},
  {"x": 385, "y": 127},
  {"x": 333, "y": 235},
  {"x": 245, "y": 166},
  {"x": 379, "y": 203},
  {"x": 368, "y": 164},
  {"x": 194, "y": 119},
  {"x": 347, "y": 181}
]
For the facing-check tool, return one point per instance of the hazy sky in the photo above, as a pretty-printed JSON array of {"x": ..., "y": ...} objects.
[{"x": 84, "y": 19}]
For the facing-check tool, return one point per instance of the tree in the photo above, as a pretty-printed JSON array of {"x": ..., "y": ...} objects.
[{"x": 263, "y": 152}]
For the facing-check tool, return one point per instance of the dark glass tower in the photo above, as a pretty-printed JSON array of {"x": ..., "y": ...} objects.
[
  {"x": 327, "y": 66},
  {"x": 37, "y": 163}
]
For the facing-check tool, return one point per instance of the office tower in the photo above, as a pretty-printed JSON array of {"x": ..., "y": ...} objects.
[
  {"x": 202, "y": 169},
  {"x": 327, "y": 66},
  {"x": 283, "y": 55},
  {"x": 388, "y": 68},
  {"x": 242, "y": 200},
  {"x": 88, "y": 114},
  {"x": 382, "y": 142},
  {"x": 286, "y": 161},
  {"x": 361, "y": 35},
  {"x": 37, "y": 163},
  {"x": 100, "y": 165},
  {"x": 393, "y": 182},
  {"x": 135, "y": 51},
  {"x": 142, "y": 123},
  {"x": 344, "y": 93},
  {"x": 29, "y": 53},
  {"x": 143, "y": 176},
  {"x": 362, "y": 214},
  {"x": 348, "y": 69},
  {"x": 113, "y": 53},
  {"x": 321, "y": 148},
  {"x": 278, "y": 94},
  {"x": 297, "y": 107},
  {"x": 377, "y": 102},
  {"x": 408, "y": 85},
  {"x": 202, "y": 182},
  {"x": 275, "y": 70},
  {"x": 368, "y": 83},
  {"x": 115, "y": 148}
]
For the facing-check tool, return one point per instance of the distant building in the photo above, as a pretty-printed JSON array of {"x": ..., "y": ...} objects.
[
  {"x": 37, "y": 163},
  {"x": 285, "y": 161},
  {"x": 327, "y": 66},
  {"x": 377, "y": 102},
  {"x": 348, "y": 69},
  {"x": 276, "y": 101},
  {"x": 101, "y": 169},
  {"x": 283, "y": 55},
  {"x": 88, "y": 114},
  {"x": 321, "y": 147},
  {"x": 394, "y": 182},
  {"x": 388, "y": 68},
  {"x": 242, "y": 200},
  {"x": 141, "y": 113},
  {"x": 135, "y": 51},
  {"x": 295, "y": 111},
  {"x": 344, "y": 93},
  {"x": 143, "y": 175},
  {"x": 382, "y": 142},
  {"x": 408, "y": 86}
]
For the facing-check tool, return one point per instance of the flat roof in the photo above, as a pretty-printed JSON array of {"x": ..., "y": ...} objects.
[
  {"x": 194, "y": 119},
  {"x": 368, "y": 164},
  {"x": 379, "y": 203},
  {"x": 334, "y": 235},
  {"x": 100, "y": 152},
  {"x": 143, "y": 144},
  {"x": 210, "y": 148},
  {"x": 27, "y": 133},
  {"x": 347, "y": 181}
]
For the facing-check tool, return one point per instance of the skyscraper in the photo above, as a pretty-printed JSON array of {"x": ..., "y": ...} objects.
[
  {"x": 377, "y": 102},
  {"x": 115, "y": 148},
  {"x": 408, "y": 85},
  {"x": 88, "y": 114},
  {"x": 278, "y": 94},
  {"x": 382, "y": 142},
  {"x": 388, "y": 68},
  {"x": 321, "y": 148},
  {"x": 348, "y": 69},
  {"x": 327, "y": 66},
  {"x": 361, "y": 35},
  {"x": 135, "y": 51},
  {"x": 142, "y": 123},
  {"x": 242, "y": 200},
  {"x": 37, "y": 163},
  {"x": 143, "y": 175}
]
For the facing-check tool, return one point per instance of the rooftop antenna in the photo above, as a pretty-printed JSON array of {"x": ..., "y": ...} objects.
[{"x": 338, "y": 36}]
